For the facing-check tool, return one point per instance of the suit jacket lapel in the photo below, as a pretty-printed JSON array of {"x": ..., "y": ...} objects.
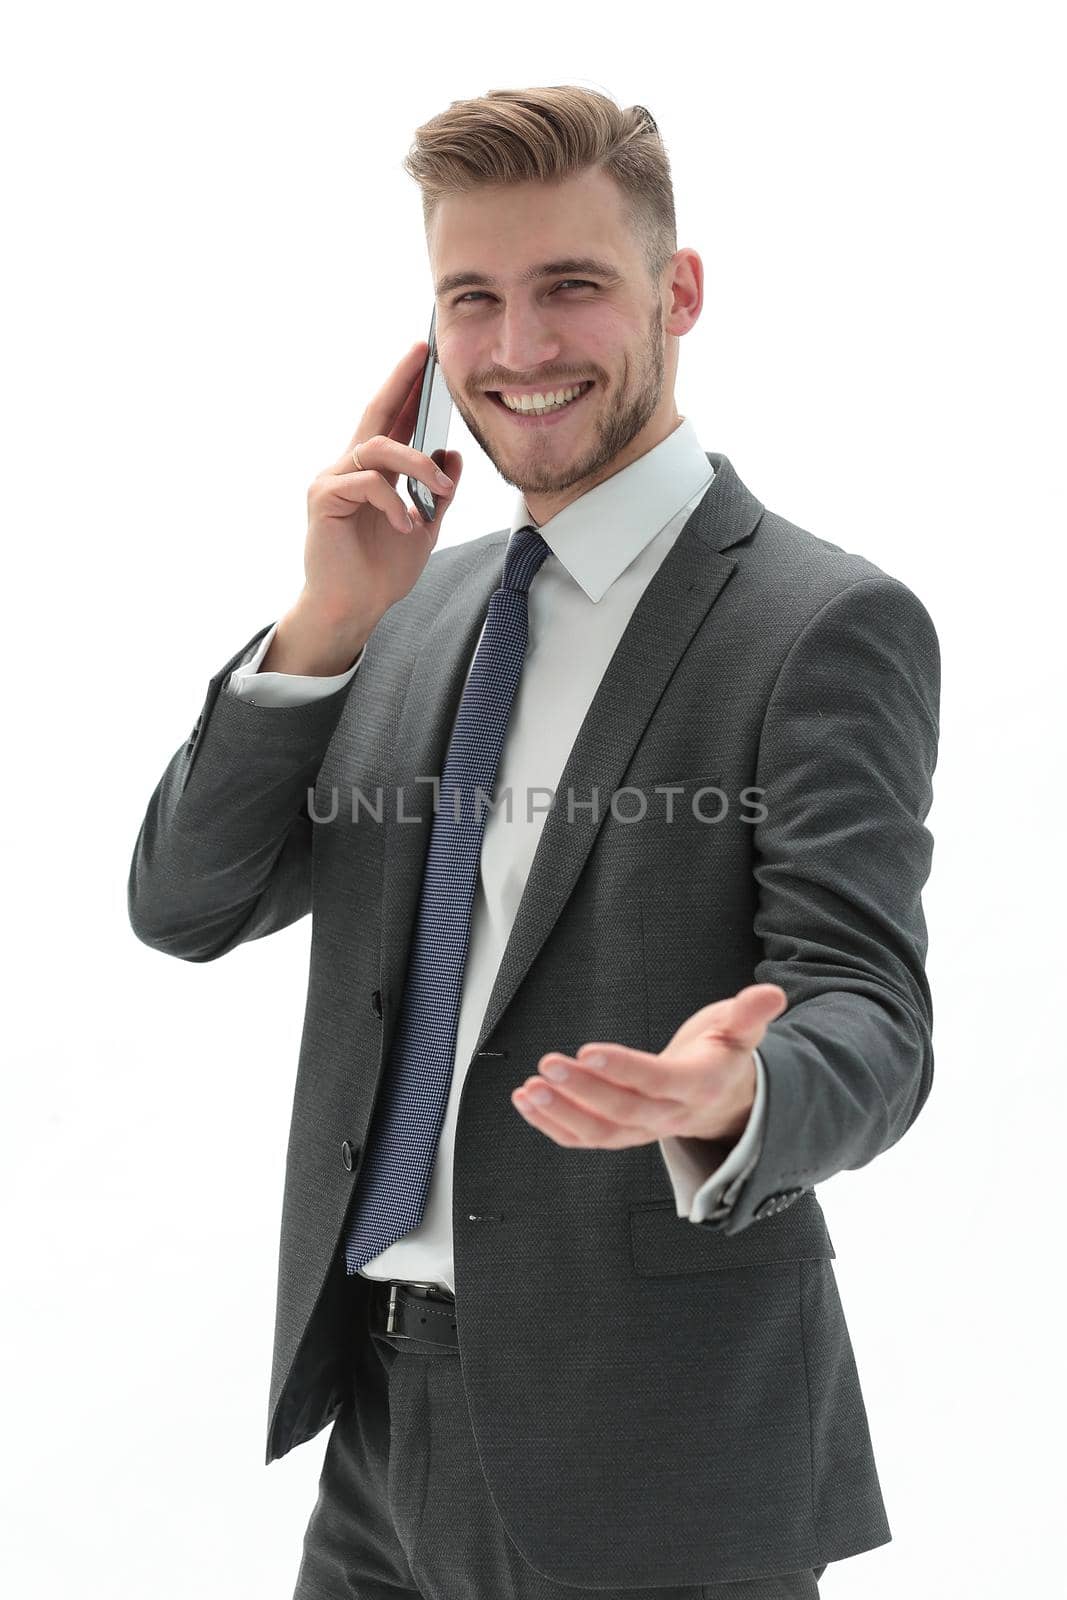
[{"x": 670, "y": 611}]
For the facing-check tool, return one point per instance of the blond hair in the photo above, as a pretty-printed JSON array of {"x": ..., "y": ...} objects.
[{"x": 547, "y": 135}]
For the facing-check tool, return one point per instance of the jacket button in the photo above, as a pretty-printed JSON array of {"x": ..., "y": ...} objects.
[
  {"x": 376, "y": 1002},
  {"x": 346, "y": 1156}
]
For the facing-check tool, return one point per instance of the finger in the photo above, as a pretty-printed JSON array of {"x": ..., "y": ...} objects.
[
  {"x": 720, "y": 1019},
  {"x": 450, "y": 462},
  {"x": 638, "y": 1075},
  {"x": 399, "y": 391},
  {"x": 574, "y": 1125},
  {"x": 651, "y": 1114},
  {"x": 540, "y": 1118},
  {"x": 387, "y": 412},
  {"x": 404, "y": 426},
  {"x": 669, "y": 1080},
  {"x": 370, "y": 488},
  {"x": 750, "y": 1010}
]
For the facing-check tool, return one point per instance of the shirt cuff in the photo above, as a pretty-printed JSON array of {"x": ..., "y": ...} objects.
[
  {"x": 703, "y": 1189},
  {"x": 281, "y": 688}
]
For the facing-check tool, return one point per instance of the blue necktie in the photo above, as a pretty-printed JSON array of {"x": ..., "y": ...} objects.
[{"x": 402, "y": 1145}]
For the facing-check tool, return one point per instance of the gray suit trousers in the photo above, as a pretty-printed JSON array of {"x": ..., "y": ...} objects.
[{"x": 403, "y": 1511}]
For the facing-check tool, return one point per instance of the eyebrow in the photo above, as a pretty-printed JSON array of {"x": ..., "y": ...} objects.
[{"x": 587, "y": 265}]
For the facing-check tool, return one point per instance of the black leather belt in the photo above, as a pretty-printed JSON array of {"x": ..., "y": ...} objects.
[{"x": 413, "y": 1311}]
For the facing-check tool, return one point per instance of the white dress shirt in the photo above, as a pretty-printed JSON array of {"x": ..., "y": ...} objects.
[{"x": 604, "y": 548}]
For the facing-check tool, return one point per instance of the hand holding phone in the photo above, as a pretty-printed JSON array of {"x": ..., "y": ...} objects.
[{"x": 361, "y": 554}]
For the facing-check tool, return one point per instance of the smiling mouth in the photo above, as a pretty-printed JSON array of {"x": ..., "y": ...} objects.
[{"x": 541, "y": 411}]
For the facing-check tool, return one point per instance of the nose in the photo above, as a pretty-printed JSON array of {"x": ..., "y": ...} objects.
[{"x": 525, "y": 342}]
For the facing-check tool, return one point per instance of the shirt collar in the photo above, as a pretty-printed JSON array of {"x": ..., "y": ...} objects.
[{"x": 598, "y": 535}]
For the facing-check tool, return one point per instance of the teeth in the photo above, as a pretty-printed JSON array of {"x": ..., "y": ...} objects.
[{"x": 543, "y": 402}]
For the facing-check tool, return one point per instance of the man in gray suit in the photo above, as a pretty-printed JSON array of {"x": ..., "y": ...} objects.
[{"x": 594, "y": 1343}]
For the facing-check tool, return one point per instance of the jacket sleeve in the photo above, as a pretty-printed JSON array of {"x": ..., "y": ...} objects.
[
  {"x": 248, "y": 682},
  {"x": 224, "y": 852},
  {"x": 845, "y": 765}
]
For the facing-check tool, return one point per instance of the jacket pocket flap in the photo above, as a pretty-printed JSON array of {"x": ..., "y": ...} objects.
[{"x": 663, "y": 1242}]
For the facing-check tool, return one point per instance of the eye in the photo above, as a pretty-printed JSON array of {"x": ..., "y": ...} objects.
[{"x": 476, "y": 294}]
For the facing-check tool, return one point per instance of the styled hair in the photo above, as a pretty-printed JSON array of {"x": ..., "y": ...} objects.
[{"x": 548, "y": 135}]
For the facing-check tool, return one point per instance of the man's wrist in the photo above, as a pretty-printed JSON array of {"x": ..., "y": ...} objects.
[
  {"x": 306, "y": 644},
  {"x": 731, "y": 1134}
]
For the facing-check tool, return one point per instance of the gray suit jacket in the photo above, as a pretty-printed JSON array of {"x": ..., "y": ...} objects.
[{"x": 656, "y": 1402}]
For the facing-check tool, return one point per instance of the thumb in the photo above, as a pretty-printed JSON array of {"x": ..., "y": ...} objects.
[
  {"x": 450, "y": 462},
  {"x": 442, "y": 500},
  {"x": 748, "y": 1013},
  {"x": 740, "y": 1019}
]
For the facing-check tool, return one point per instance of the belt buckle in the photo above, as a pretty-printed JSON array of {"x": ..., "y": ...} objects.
[{"x": 391, "y": 1318}]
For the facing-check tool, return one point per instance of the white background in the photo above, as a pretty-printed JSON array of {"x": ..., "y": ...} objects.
[{"x": 213, "y": 259}]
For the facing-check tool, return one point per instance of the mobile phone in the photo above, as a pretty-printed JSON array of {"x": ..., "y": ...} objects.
[{"x": 431, "y": 426}]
